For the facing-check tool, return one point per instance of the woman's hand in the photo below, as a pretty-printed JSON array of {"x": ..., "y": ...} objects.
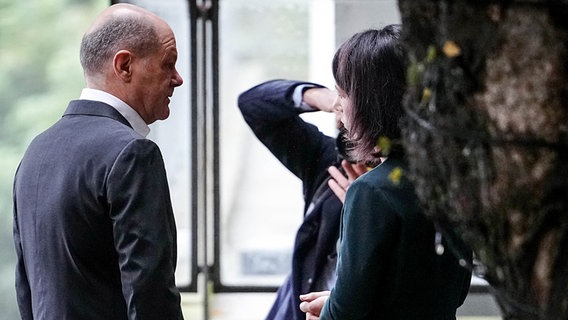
[
  {"x": 312, "y": 303},
  {"x": 339, "y": 182}
]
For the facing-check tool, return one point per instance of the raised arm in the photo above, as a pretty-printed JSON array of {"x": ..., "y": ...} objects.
[{"x": 272, "y": 110}]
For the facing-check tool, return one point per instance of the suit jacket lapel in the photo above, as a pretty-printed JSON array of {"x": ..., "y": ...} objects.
[{"x": 94, "y": 108}]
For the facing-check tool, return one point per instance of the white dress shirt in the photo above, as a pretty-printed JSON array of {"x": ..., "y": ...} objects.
[{"x": 135, "y": 120}]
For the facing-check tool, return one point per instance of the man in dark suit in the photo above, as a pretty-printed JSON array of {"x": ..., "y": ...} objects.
[
  {"x": 94, "y": 229},
  {"x": 272, "y": 110}
]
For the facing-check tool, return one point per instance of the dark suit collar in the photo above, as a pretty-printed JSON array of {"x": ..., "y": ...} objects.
[{"x": 94, "y": 108}]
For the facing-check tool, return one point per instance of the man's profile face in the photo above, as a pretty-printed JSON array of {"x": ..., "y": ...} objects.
[{"x": 157, "y": 79}]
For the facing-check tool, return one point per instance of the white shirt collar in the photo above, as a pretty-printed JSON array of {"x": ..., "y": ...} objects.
[{"x": 124, "y": 109}]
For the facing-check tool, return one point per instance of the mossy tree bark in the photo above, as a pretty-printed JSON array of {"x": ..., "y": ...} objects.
[{"x": 487, "y": 139}]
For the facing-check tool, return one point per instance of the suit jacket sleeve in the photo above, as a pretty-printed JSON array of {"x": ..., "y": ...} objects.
[
  {"x": 23, "y": 293},
  {"x": 144, "y": 232},
  {"x": 269, "y": 110}
]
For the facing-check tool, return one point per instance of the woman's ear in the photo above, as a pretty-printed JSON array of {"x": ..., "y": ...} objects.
[{"x": 122, "y": 65}]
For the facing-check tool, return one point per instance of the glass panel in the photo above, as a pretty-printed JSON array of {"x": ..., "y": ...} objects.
[{"x": 261, "y": 202}]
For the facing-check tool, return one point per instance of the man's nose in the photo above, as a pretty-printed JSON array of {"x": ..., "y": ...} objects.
[{"x": 178, "y": 80}]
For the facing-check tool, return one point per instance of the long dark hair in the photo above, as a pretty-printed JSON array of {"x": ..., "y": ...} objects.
[{"x": 370, "y": 68}]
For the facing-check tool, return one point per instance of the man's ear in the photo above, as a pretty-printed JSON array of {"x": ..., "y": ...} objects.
[{"x": 122, "y": 64}]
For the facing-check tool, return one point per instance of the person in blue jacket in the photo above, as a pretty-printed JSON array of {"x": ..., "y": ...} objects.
[
  {"x": 387, "y": 267},
  {"x": 272, "y": 110}
]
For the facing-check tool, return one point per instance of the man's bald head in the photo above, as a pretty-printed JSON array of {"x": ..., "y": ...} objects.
[{"x": 119, "y": 27}]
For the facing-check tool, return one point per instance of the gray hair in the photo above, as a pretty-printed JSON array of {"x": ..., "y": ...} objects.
[{"x": 127, "y": 32}]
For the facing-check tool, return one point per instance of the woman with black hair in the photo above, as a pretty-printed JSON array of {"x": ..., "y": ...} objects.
[{"x": 387, "y": 265}]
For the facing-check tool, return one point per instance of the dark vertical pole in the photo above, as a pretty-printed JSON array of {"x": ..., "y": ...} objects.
[
  {"x": 208, "y": 98},
  {"x": 194, "y": 143}
]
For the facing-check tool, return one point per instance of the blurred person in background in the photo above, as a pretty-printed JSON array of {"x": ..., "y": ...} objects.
[{"x": 272, "y": 110}]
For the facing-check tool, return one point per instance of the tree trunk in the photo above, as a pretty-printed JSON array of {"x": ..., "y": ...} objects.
[{"x": 487, "y": 139}]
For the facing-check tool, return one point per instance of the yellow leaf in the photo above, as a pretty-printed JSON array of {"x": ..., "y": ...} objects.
[
  {"x": 426, "y": 94},
  {"x": 451, "y": 49},
  {"x": 395, "y": 175},
  {"x": 384, "y": 144}
]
